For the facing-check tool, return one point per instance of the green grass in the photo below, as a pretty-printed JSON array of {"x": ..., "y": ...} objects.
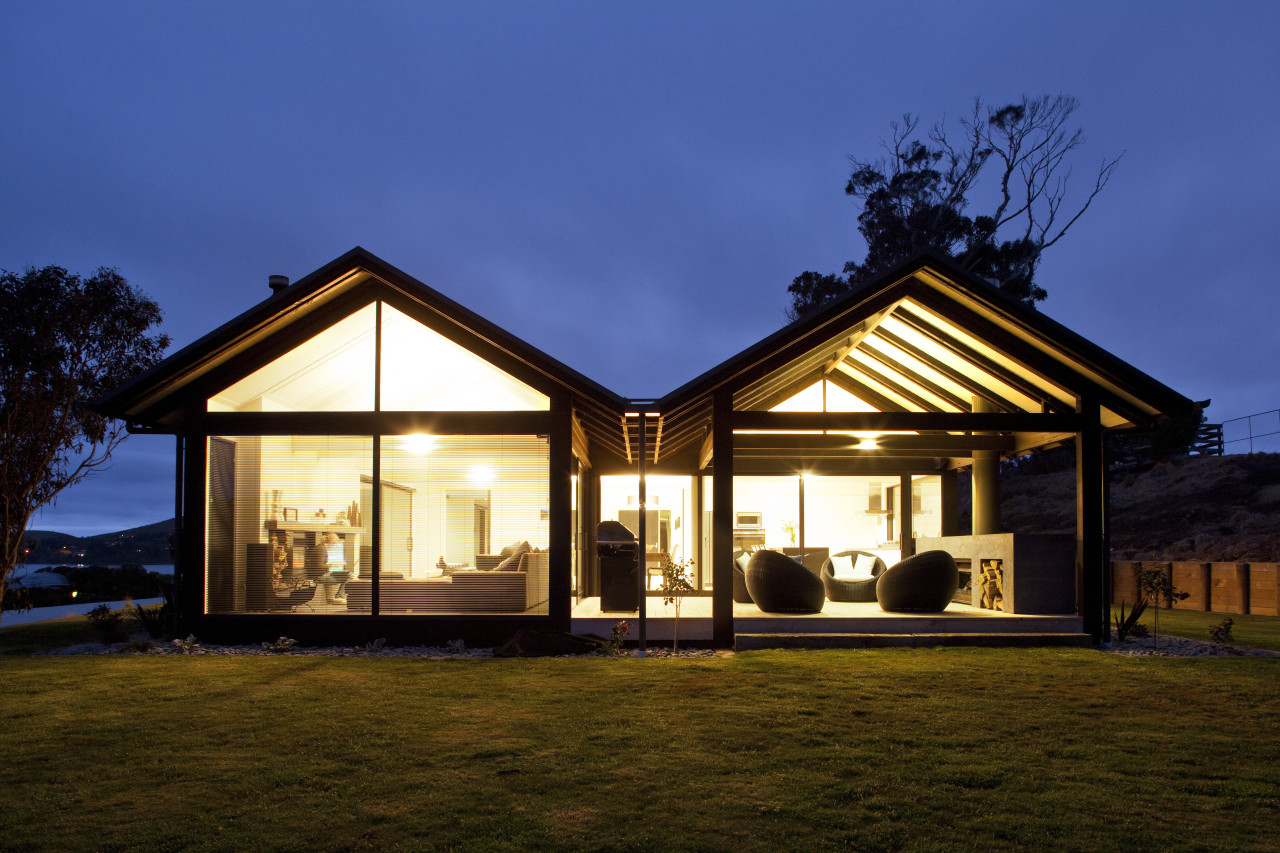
[
  {"x": 41, "y": 636},
  {"x": 1255, "y": 632},
  {"x": 950, "y": 749}
]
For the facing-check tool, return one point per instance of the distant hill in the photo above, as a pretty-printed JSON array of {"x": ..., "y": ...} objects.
[
  {"x": 147, "y": 545},
  {"x": 1202, "y": 508}
]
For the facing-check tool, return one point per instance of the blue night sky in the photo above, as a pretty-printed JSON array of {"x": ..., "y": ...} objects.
[{"x": 564, "y": 167}]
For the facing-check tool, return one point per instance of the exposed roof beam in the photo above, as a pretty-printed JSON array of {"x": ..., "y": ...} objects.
[
  {"x": 780, "y": 388},
  {"x": 912, "y": 421},
  {"x": 863, "y": 392},
  {"x": 932, "y": 387},
  {"x": 705, "y": 454},
  {"x": 863, "y": 329},
  {"x": 1041, "y": 363},
  {"x": 977, "y": 359},
  {"x": 940, "y": 444},
  {"x": 973, "y": 387},
  {"x": 896, "y": 387},
  {"x": 848, "y": 466},
  {"x": 581, "y": 446}
]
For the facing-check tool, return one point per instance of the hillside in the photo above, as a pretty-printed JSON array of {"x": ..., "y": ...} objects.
[
  {"x": 1194, "y": 508},
  {"x": 146, "y": 545}
]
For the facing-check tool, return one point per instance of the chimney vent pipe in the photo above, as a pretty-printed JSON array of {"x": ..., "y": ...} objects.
[{"x": 278, "y": 282}]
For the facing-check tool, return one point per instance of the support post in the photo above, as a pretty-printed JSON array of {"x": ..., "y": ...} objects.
[
  {"x": 907, "y": 526},
  {"x": 722, "y": 517},
  {"x": 642, "y": 550},
  {"x": 800, "y": 519},
  {"x": 1091, "y": 598},
  {"x": 560, "y": 535},
  {"x": 986, "y": 482},
  {"x": 950, "y": 496}
]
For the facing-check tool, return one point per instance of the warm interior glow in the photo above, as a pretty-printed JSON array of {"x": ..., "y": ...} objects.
[
  {"x": 418, "y": 444},
  {"x": 330, "y": 372},
  {"x": 423, "y": 370},
  {"x": 482, "y": 474}
]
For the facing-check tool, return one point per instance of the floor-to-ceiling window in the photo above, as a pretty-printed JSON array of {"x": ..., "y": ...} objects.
[{"x": 452, "y": 522}]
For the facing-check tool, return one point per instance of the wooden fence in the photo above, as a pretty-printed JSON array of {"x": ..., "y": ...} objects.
[{"x": 1215, "y": 587}]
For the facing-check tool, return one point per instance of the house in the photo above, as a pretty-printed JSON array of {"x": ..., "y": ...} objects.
[{"x": 359, "y": 456}]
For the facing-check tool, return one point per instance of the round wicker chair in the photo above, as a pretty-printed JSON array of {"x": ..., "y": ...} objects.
[
  {"x": 740, "y": 592},
  {"x": 925, "y": 583},
  {"x": 843, "y": 590},
  {"x": 779, "y": 584}
]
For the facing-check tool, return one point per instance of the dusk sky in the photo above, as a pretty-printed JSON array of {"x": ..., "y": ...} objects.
[{"x": 629, "y": 187}]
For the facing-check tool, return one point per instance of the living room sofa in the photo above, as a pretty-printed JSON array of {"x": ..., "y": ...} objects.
[{"x": 466, "y": 591}]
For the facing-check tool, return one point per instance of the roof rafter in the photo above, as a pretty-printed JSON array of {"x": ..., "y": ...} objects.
[
  {"x": 933, "y": 388},
  {"x": 975, "y": 388}
]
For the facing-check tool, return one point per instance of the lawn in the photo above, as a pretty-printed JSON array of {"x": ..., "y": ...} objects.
[
  {"x": 947, "y": 749},
  {"x": 1258, "y": 632}
]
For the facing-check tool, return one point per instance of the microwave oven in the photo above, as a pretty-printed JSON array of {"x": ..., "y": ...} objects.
[{"x": 748, "y": 520}]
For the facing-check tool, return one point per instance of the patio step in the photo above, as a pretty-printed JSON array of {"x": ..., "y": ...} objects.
[{"x": 750, "y": 642}]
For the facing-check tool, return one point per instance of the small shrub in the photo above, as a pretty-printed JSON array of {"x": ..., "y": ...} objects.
[
  {"x": 1126, "y": 624},
  {"x": 376, "y": 645},
  {"x": 156, "y": 621},
  {"x": 108, "y": 624},
  {"x": 139, "y": 644},
  {"x": 1221, "y": 633},
  {"x": 1156, "y": 584},
  {"x": 456, "y": 647},
  {"x": 1139, "y": 630},
  {"x": 189, "y": 645},
  {"x": 283, "y": 644},
  {"x": 617, "y": 637}
]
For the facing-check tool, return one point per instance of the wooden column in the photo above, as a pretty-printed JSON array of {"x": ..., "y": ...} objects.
[
  {"x": 986, "y": 482},
  {"x": 722, "y": 517},
  {"x": 560, "y": 535},
  {"x": 191, "y": 551},
  {"x": 949, "y": 501},
  {"x": 1091, "y": 558},
  {"x": 906, "y": 527}
]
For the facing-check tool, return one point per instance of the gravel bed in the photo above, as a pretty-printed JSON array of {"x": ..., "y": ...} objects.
[
  {"x": 266, "y": 650},
  {"x": 1180, "y": 647},
  {"x": 1133, "y": 647}
]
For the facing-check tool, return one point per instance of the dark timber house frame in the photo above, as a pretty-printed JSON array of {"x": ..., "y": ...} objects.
[{"x": 951, "y": 373}]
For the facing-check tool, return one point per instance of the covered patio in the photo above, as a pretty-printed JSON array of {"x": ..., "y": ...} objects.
[
  {"x": 904, "y": 384},
  {"x": 840, "y": 624}
]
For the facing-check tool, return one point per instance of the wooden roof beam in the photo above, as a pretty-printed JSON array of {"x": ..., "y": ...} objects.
[
  {"x": 932, "y": 387},
  {"x": 863, "y": 392},
  {"x": 977, "y": 389},
  {"x": 938, "y": 444},
  {"x": 966, "y": 353},
  {"x": 911, "y": 421},
  {"x": 857, "y": 336},
  {"x": 897, "y": 388}
]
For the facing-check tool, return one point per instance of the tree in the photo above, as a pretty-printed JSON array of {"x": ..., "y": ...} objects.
[
  {"x": 918, "y": 195},
  {"x": 64, "y": 341}
]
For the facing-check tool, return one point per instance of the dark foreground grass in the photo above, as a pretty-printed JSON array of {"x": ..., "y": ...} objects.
[{"x": 961, "y": 749}]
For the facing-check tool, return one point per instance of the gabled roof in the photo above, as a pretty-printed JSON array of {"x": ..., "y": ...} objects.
[
  {"x": 164, "y": 396},
  {"x": 925, "y": 337}
]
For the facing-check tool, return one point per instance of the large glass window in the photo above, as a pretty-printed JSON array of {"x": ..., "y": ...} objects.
[
  {"x": 669, "y": 515},
  {"x": 337, "y": 371},
  {"x": 463, "y": 524},
  {"x": 331, "y": 372},
  {"x": 286, "y": 530}
]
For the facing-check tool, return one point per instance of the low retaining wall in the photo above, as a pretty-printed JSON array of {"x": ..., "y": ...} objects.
[{"x": 1215, "y": 587}]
